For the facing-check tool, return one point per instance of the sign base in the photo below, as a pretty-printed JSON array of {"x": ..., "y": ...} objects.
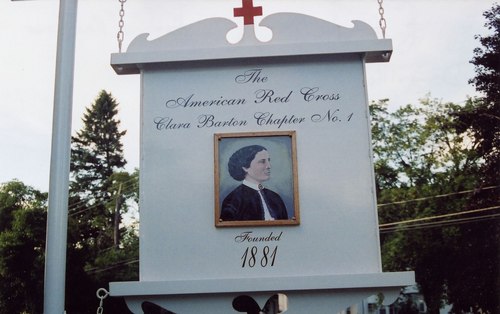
[{"x": 326, "y": 294}]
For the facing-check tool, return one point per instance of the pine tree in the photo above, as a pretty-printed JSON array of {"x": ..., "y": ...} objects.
[
  {"x": 97, "y": 163},
  {"x": 97, "y": 153},
  {"x": 97, "y": 149}
]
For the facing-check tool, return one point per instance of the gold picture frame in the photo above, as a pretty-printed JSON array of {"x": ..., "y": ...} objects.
[{"x": 239, "y": 199}]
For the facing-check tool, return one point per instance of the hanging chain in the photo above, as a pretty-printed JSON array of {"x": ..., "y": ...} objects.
[
  {"x": 382, "y": 22},
  {"x": 101, "y": 295},
  {"x": 121, "y": 23}
]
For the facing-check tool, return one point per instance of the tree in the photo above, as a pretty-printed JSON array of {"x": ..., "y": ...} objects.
[
  {"x": 98, "y": 198},
  {"x": 97, "y": 152},
  {"x": 97, "y": 149},
  {"x": 480, "y": 118},
  {"x": 458, "y": 263},
  {"x": 419, "y": 154},
  {"x": 124, "y": 186},
  {"x": 22, "y": 245}
]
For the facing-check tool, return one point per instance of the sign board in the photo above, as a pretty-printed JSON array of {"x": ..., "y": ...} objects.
[{"x": 300, "y": 103}]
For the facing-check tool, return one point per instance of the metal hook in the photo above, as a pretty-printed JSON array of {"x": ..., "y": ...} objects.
[
  {"x": 104, "y": 292},
  {"x": 101, "y": 295}
]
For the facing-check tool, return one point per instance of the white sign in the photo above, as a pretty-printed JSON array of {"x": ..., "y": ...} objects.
[
  {"x": 324, "y": 102},
  {"x": 299, "y": 212}
]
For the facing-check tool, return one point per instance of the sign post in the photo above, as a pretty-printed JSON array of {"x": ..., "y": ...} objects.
[
  {"x": 57, "y": 220},
  {"x": 57, "y": 216}
]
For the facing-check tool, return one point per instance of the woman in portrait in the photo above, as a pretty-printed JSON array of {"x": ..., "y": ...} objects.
[{"x": 251, "y": 200}]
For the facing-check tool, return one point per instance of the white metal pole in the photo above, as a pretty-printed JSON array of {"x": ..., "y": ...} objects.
[{"x": 57, "y": 220}]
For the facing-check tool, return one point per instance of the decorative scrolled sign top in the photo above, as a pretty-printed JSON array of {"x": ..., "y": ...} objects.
[{"x": 292, "y": 34}]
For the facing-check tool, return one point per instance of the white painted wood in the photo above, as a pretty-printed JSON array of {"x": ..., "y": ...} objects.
[
  {"x": 293, "y": 35},
  {"x": 338, "y": 233},
  {"x": 315, "y": 71},
  {"x": 252, "y": 285},
  {"x": 299, "y": 301}
]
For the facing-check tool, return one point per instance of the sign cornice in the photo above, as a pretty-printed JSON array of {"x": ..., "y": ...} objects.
[{"x": 294, "y": 34}]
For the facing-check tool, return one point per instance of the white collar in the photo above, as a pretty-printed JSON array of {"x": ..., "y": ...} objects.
[{"x": 251, "y": 185}]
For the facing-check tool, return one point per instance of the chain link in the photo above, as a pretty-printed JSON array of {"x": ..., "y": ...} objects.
[
  {"x": 120, "y": 35},
  {"x": 382, "y": 22},
  {"x": 101, "y": 295}
]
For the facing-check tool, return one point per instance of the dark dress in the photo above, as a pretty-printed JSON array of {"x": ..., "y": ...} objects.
[{"x": 244, "y": 203}]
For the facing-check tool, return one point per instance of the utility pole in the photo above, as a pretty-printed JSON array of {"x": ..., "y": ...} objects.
[
  {"x": 118, "y": 205},
  {"x": 57, "y": 217}
]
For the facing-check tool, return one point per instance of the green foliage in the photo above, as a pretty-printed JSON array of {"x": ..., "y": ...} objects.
[
  {"x": 22, "y": 248},
  {"x": 416, "y": 145},
  {"x": 127, "y": 183},
  {"x": 487, "y": 58},
  {"x": 118, "y": 260},
  {"x": 100, "y": 248},
  {"x": 96, "y": 154},
  {"x": 481, "y": 116},
  {"x": 420, "y": 155},
  {"x": 97, "y": 150}
]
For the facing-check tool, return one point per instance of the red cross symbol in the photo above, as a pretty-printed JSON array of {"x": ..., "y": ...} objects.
[{"x": 248, "y": 12}]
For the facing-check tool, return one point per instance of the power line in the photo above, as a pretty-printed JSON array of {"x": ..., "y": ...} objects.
[
  {"x": 382, "y": 230},
  {"x": 438, "y": 216},
  {"x": 438, "y": 196},
  {"x": 96, "y": 270},
  {"x": 101, "y": 201},
  {"x": 435, "y": 224},
  {"x": 128, "y": 183}
]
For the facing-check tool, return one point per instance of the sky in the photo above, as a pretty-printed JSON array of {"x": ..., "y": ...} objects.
[{"x": 433, "y": 42}]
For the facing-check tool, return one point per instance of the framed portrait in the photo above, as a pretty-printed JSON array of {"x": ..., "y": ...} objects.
[{"x": 255, "y": 176}]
